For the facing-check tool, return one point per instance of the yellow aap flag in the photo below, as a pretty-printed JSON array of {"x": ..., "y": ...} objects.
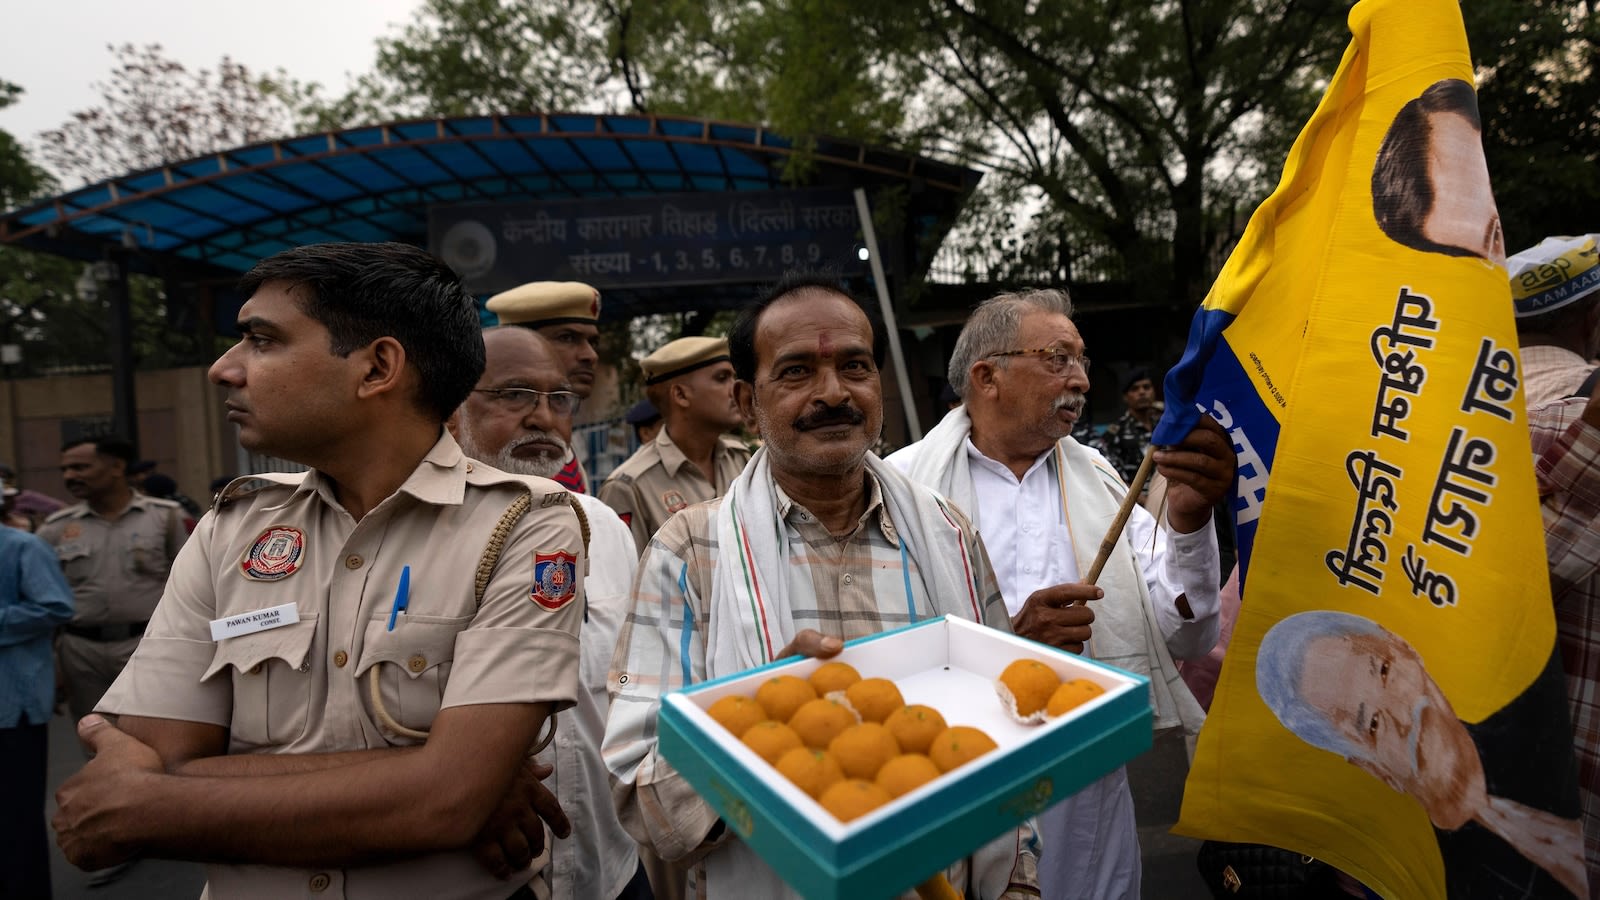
[{"x": 1391, "y": 701}]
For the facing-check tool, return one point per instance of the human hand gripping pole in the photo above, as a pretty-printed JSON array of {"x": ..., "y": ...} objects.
[{"x": 1109, "y": 542}]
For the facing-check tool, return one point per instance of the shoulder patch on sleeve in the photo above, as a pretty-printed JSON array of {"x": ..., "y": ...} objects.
[{"x": 555, "y": 579}]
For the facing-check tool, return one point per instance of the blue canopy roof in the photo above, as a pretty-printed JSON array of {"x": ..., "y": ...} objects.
[{"x": 210, "y": 218}]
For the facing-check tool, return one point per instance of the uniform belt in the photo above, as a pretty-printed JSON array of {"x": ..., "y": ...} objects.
[{"x": 107, "y": 632}]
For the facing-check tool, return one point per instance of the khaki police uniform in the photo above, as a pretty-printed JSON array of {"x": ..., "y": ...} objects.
[
  {"x": 658, "y": 480},
  {"x": 304, "y": 687},
  {"x": 117, "y": 569}
]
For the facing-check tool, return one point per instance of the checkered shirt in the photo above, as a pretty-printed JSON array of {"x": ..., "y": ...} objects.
[
  {"x": 859, "y": 587},
  {"x": 1567, "y": 457}
]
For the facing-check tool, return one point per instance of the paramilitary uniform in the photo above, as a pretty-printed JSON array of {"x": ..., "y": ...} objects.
[
  {"x": 335, "y": 582},
  {"x": 657, "y": 481},
  {"x": 1124, "y": 443},
  {"x": 117, "y": 569}
]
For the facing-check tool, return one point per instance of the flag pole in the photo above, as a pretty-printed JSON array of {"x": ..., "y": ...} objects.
[
  {"x": 887, "y": 308},
  {"x": 1146, "y": 466}
]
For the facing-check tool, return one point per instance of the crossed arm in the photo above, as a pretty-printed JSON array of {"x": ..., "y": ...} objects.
[{"x": 164, "y": 788}]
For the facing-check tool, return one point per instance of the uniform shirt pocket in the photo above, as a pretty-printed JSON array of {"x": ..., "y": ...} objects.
[
  {"x": 148, "y": 555},
  {"x": 77, "y": 563},
  {"x": 271, "y": 683},
  {"x": 412, "y": 663}
]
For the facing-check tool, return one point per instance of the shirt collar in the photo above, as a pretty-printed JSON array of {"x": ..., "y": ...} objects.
[
  {"x": 81, "y": 509},
  {"x": 672, "y": 458},
  {"x": 977, "y": 456},
  {"x": 875, "y": 509},
  {"x": 440, "y": 478}
]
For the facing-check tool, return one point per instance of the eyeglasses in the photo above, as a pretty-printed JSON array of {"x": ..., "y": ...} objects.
[
  {"x": 1056, "y": 360},
  {"x": 525, "y": 400}
]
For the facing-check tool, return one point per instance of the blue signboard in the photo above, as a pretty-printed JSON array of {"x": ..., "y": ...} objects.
[{"x": 649, "y": 241}]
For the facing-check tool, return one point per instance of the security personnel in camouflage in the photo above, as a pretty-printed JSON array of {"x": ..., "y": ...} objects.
[{"x": 1125, "y": 440}]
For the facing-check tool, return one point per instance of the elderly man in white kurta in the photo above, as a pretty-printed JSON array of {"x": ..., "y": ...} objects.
[{"x": 1042, "y": 503}]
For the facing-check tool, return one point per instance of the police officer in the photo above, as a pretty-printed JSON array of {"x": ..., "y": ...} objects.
[
  {"x": 349, "y": 665},
  {"x": 1125, "y": 440},
  {"x": 693, "y": 458},
  {"x": 116, "y": 547},
  {"x": 568, "y": 313},
  {"x": 645, "y": 419}
]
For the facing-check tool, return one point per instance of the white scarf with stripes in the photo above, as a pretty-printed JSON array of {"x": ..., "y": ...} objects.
[
  {"x": 751, "y": 616},
  {"x": 1126, "y": 634}
]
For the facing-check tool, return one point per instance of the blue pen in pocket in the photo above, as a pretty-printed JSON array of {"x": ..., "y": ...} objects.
[{"x": 402, "y": 596}]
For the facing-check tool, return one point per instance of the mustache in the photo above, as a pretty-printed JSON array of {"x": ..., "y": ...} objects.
[
  {"x": 1073, "y": 400},
  {"x": 843, "y": 414},
  {"x": 533, "y": 437}
]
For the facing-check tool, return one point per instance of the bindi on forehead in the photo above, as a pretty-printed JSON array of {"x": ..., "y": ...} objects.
[{"x": 825, "y": 345}]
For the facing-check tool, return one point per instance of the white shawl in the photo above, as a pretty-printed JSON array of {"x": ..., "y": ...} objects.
[
  {"x": 1126, "y": 634},
  {"x": 751, "y": 618}
]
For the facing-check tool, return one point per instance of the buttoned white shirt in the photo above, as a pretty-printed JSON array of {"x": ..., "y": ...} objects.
[{"x": 1023, "y": 523}]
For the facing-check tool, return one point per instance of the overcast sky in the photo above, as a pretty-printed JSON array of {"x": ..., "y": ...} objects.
[{"x": 56, "y": 49}]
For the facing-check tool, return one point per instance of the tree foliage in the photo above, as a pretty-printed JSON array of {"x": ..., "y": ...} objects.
[
  {"x": 20, "y": 179},
  {"x": 1112, "y": 131},
  {"x": 155, "y": 110},
  {"x": 1538, "y": 92},
  {"x": 43, "y": 307},
  {"x": 469, "y": 57}
]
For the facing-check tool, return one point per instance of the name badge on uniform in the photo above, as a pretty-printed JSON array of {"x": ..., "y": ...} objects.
[{"x": 257, "y": 620}]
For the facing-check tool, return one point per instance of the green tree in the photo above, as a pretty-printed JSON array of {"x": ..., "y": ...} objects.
[
  {"x": 1113, "y": 132},
  {"x": 154, "y": 110},
  {"x": 20, "y": 178},
  {"x": 468, "y": 57},
  {"x": 43, "y": 309},
  {"x": 1538, "y": 92}
]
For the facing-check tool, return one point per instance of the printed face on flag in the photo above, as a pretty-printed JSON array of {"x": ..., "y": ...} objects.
[
  {"x": 1430, "y": 183},
  {"x": 1464, "y": 214},
  {"x": 1358, "y": 690}
]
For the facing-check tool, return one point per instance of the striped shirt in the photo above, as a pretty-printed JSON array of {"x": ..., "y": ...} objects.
[
  {"x": 861, "y": 586},
  {"x": 1567, "y": 457}
]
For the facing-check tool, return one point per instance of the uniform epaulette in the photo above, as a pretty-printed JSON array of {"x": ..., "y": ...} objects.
[
  {"x": 250, "y": 485},
  {"x": 162, "y": 502},
  {"x": 635, "y": 464},
  {"x": 543, "y": 492},
  {"x": 65, "y": 512}
]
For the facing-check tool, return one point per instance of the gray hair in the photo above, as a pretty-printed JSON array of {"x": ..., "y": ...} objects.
[
  {"x": 992, "y": 328},
  {"x": 1280, "y": 667}
]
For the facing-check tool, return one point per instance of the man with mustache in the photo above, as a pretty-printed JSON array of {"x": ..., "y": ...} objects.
[
  {"x": 693, "y": 458},
  {"x": 817, "y": 542},
  {"x": 1125, "y": 440},
  {"x": 116, "y": 547},
  {"x": 568, "y": 314},
  {"x": 1043, "y": 503},
  {"x": 518, "y": 419}
]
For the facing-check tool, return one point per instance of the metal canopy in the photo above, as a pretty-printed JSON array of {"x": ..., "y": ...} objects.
[{"x": 208, "y": 219}]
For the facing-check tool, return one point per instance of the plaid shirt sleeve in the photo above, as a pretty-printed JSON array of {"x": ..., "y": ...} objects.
[
  {"x": 660, "y": 649},
  {"x": 1567, "y": 461}
]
